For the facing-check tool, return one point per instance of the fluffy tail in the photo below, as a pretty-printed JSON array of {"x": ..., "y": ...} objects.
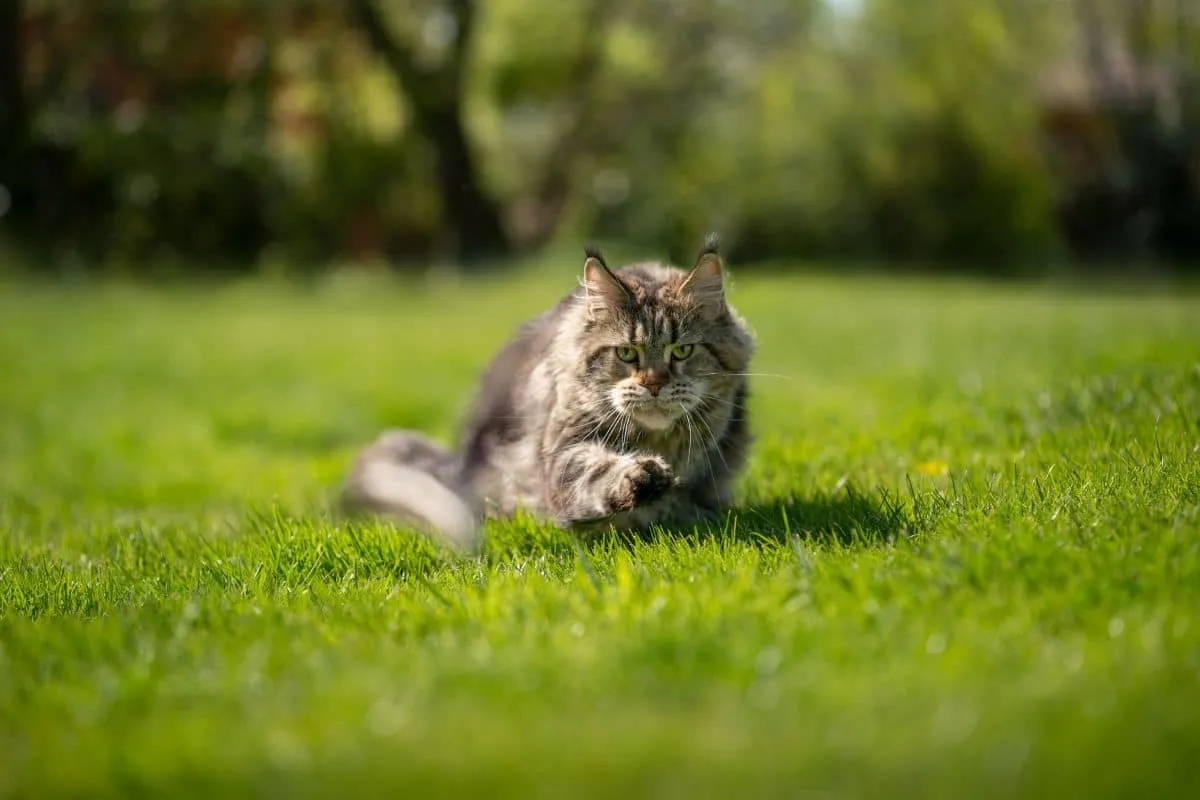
[{"x": 410, "y": 478}]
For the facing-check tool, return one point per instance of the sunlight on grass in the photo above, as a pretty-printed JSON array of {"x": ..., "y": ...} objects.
[{"x": 964, "y": 559}]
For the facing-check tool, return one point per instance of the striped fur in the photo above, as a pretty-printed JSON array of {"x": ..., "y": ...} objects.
[{"x": 568, "y": 426}]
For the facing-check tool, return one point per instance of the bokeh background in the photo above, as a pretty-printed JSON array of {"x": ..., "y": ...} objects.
[{"x": 1007, "y": 136}]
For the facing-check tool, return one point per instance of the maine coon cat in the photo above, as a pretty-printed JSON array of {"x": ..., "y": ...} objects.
[{"x": 622, "y": 406}]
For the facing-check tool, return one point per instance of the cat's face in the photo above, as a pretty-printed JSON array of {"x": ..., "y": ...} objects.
[
  {"x": 658, "y": 379},
  {"x": 661, "y": 343}
]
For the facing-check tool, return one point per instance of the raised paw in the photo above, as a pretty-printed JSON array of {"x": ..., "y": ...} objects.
[{"x": 644, "y": 481}]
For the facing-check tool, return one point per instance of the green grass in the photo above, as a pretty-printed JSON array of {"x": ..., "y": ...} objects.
[{"x": 966, "y": 560}]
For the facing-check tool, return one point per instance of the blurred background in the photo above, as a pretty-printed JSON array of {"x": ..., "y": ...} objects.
[{"x": 1003, "y": 136}]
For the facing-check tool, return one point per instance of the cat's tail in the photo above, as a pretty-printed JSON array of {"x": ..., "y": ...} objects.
[{"x": 407, "y": 477}]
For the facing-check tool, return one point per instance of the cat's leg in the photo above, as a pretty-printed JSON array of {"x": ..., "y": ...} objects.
[{"x": 587, "y": 481}]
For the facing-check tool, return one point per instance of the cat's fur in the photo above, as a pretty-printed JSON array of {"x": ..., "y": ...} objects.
[{"x": 564, "y": 428}]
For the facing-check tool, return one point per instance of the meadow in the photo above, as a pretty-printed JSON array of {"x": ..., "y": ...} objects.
[{"x": 965, "y": 559}]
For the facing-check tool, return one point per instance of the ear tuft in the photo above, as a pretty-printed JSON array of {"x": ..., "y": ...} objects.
[
  {"x": 712, "y": 246},
  {"x": 592, "y": 251}
]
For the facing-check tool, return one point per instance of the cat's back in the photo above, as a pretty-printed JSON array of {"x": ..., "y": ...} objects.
[{"x": 501, "y": 413}]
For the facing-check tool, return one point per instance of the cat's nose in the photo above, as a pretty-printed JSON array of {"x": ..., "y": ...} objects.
[{"x": 653, "y": 383}]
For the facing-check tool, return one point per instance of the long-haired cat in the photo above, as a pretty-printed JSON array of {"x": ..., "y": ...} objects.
[{"x": 622, "y": 406}]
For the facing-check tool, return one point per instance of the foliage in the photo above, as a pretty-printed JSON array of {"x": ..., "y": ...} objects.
[
  {"x": 965, "y": 561},
  {"x": 1006, "y": 134}
]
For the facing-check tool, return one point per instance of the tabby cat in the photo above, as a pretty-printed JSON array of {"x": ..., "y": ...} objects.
[{"x": 622, "y": 406}]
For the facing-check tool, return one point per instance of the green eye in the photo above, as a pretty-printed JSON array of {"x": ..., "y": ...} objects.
[
  {"x": 627, "y": 353},
  {"x": 681, "y": 351}
]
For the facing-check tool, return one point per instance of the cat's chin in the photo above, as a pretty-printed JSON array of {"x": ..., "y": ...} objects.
[{"x": 654, "y": 420}]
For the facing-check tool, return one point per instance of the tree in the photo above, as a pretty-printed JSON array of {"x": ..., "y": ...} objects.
[
  {"x": 435, "y": 90},
  {"x": 435, "y": 96},
  {"x": 1143, "y": 76}
]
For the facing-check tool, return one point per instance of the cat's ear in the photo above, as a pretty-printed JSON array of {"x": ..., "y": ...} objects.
[
  {"x": 603, "y": 290},
  {"x": 706, "y": 281}
]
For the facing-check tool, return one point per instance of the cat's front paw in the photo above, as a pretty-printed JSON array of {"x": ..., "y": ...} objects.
[{"x": 645, "y": 480}]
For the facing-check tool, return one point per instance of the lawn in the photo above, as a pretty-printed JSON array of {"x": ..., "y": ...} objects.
[{"x": 965, "y": 562}]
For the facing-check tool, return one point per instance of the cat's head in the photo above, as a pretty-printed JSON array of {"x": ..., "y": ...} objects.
[{"x": 662, "y": 343}]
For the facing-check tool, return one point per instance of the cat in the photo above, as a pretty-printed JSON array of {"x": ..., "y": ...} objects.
[{"x": 623, "y": 406}]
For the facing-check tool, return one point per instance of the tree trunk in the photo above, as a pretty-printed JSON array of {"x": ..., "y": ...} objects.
[
  {"x": 435, "y": 99},
  {"x": 472, "y": 213}
]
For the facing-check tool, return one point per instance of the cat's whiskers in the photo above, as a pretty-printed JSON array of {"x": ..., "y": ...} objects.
[
  {"x": 691, "y": 417},
  {"x": 707, "y": 398},
  {"x": 687, "y": 422},
  {"x": 715, "y": 445},
  {"x": 745, "y": 375},
  {"x": 609, "y": 414},
  {"x": 626, "y": 427}
]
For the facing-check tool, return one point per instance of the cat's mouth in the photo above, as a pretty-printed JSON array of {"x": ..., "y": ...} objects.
[{"x": 658, "y": 413}]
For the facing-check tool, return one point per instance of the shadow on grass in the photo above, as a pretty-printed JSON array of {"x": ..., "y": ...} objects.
[{"x": 849, "y": 517}]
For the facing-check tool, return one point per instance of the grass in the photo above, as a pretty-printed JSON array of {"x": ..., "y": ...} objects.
[{"x": 966, "y": 561}]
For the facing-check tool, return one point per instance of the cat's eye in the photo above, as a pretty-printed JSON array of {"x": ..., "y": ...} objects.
[
  {"x": 679, "y": 352},
  {"x": 627, "y": 353}
]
